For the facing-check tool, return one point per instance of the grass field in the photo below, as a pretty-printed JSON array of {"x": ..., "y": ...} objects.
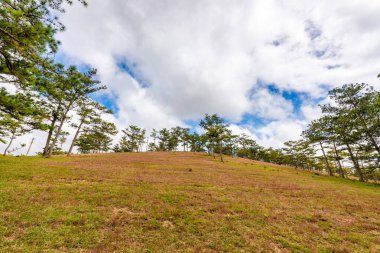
[{"x": 180, "y": 202}]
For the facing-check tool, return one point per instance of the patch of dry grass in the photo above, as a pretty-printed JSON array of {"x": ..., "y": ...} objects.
[{"x": 180, "y": 202}]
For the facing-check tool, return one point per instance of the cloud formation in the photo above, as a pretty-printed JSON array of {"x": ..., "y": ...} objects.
[{"x": 166, "y": 62}]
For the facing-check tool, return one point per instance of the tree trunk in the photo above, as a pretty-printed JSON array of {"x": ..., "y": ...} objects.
[
  {"x": 221, "y": 153},
  {"x": 50, "y": 150},
  {"x": 75, "y": 138},
  {"x": 10, "y": 143},
  {"x": 132, "y": 145},
  {"x": 355, "y": 162},
  {"x": 51, "y": 130},
  {"x": 341, "y": 171},
  {"x": 51, "y": 146},
  {"x": 30, "y": 145},
  {"x": 372, "y": 140},
  {"x": 68, "y": 108},
  {"x": 374, "y": 144},
  {"x": 50, "y": 134},
  {"x": 326, "y": 160}
]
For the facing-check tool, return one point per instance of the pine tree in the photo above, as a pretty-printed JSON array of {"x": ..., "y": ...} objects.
[
  {"x": 96, "y": 137},
  {"x": 89, "y": 111},
  {"x": 216, "y": 132}
]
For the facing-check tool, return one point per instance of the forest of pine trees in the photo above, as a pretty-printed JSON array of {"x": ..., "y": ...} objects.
[
  {"x": 46, "y": 96},
  {"x": 343, "y": 142}
]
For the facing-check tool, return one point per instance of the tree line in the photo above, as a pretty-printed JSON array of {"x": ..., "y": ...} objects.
[
  {"x": 344, "y": 141},
  {"x": 348, "y": 131},
  {"x": 46, "y": 95}
]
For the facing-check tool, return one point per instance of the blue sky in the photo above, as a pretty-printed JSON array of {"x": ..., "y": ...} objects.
[
  {"x": 263, "y": 65},
  {"x": 168, "y": 63}
]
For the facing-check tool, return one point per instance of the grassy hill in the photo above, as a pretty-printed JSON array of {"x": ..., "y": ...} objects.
[{"x": 180, "y": 202}]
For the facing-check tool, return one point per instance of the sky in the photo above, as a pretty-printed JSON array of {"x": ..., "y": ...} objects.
[{"x": 263, "y": 65}]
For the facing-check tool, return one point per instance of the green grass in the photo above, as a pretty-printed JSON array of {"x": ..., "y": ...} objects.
[{"x": 180, "y": 202}]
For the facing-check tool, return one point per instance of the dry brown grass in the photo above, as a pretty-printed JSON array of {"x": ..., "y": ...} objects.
[{"x": 181, "y": 202}]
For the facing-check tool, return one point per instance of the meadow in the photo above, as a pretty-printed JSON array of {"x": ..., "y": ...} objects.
[{"x": 180, "y": 202}]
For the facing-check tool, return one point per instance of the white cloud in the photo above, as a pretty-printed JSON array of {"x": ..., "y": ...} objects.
[
  {"x": 239, "y": 130},
  {"x": 311, "y": 112},
  {"x": 276, "y": 133},
  {"x": 206, "y": 56},
  {"x": 269, "y": 105}
]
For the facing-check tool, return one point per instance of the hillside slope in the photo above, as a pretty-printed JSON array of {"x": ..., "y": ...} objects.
[{"x": 180, "y": 202}]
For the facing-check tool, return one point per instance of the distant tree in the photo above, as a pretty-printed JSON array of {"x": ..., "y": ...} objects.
[
  {"x": 248, "y": 148},
  {"x": 116, "y": 148},
  {"x": 184, "y": 137},
  {"x": 216, "y": 132},
  {"x": 12, "y": 129},
  {"x": 89, "y": 111},
  {"x": 272, "y": 155},
  {"x": 230, "y": 144},
  {"x": 96, "y": 138},
  {"x": 152, "y": 146},
  {"x": 300, "y": 154},
  {"x": 315, "y": 133},
  {"x": 132, "y": 139},
  {"x": 197, "y": 142},
  {"x": 165, "y": 140},
  {"x": 176, "y": 134}
]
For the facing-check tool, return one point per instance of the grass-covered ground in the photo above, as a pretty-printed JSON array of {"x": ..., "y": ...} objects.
[{"x": 180, "y": 202}]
